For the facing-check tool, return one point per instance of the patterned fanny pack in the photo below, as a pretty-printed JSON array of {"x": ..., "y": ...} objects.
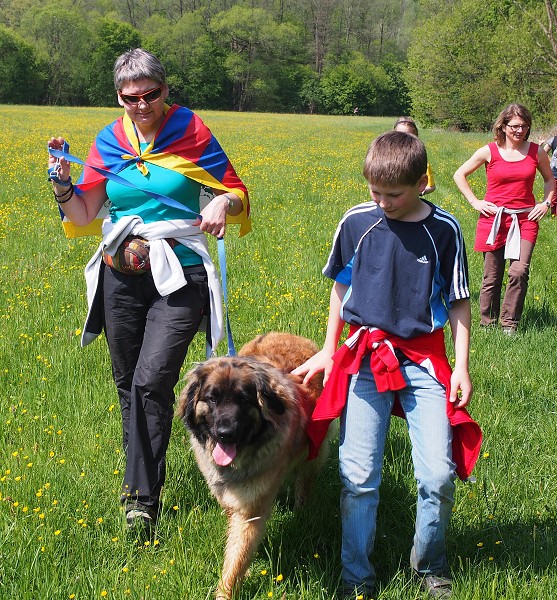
[{"x": 132, "y": 256}]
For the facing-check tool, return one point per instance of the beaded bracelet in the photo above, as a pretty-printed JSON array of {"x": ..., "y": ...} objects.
[{"x": 68, "y": 192}]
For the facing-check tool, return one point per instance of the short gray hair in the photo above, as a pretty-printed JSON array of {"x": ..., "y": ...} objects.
[{"x": 135, "y": 65}]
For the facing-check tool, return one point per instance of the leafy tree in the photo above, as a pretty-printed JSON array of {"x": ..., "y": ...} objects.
[
  {"x": 113, "y": 39},
  {"x": 310, "y": 92},
  {"x": 258, "y": 48},
  {"x": 261, "y": 55},
  {"x": 398, "y": 101},
  {"x": 474, "y": 57},
  {"x": 193, "y": 61},
  {"x": 446, "y": 65},
  {"x": 21, "y": 73},
  {"x": 63, "y": 42},
  {"x": 356, "y": 83}
]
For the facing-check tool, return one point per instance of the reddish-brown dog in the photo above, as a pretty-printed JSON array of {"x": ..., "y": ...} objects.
[{"x": 247, "y": 418}]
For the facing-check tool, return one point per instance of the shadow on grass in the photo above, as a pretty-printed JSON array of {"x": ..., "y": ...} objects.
[
  {"x": 535, "y": 317},
  {"x": 538, "y": 319},
  {"x": 305, "y": 545}
]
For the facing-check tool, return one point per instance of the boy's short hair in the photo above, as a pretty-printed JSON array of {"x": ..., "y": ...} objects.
[{"x": 395, "y": 158}]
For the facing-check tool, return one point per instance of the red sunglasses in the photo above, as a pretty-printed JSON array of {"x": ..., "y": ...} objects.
[{"x": 147, "y": 97}]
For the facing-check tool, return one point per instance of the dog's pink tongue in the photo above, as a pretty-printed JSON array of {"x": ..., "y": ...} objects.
[{"x": 224, "y": 454}]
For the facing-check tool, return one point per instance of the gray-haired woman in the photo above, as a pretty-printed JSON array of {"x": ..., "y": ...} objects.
[{"x": 152, "y": 280}]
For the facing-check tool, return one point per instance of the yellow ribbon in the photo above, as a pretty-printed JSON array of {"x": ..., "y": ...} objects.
[{"x": 141, "y": 155}]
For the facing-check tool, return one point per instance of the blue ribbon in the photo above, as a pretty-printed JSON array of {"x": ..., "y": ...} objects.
[
  {"x": 169, "y": 202},
  {"x": 117, "y": 179},
  {"x": 222, "y": 265}
]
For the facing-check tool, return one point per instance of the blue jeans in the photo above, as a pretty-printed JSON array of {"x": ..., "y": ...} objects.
[{"x": 363, "y": 430}]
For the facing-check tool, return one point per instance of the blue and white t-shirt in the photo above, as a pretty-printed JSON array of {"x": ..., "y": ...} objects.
[{"x": 401, "y": 276}]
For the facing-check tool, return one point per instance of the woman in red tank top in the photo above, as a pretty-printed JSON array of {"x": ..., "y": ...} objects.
[{"x": 509, "y": 215}]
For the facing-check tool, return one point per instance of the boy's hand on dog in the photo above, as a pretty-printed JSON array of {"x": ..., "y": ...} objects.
[{"x": 322, "y": 361}]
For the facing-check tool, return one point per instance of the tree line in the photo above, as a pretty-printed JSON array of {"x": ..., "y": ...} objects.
[
  {"x": 267, "y": 55},
  {"x": 453, "y": 63}
]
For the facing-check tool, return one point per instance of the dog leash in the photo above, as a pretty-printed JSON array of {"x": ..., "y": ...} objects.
[
  {"x": 222, "y": 266},
  {"x": 53, "y": 173}
]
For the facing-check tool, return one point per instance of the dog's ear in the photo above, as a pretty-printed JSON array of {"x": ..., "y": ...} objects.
[
  {"x": 187, "y": 400},
  {"x": 270, "y": 393},
  {"x": 190, "y": 418},
  {"x": 190, "y": 395}
]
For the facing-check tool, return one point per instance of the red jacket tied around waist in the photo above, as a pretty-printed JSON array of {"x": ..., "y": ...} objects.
[{"x": 426, "y": 350}]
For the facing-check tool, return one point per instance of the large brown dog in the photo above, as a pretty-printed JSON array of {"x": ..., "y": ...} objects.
[{"x": 247, "y": 417}]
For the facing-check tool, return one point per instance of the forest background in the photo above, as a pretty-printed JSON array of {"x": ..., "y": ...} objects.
[{"x": 450, "y": 63}]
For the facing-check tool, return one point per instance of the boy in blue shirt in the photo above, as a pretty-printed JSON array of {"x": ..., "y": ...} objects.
[{"x": 400, "y": 273}]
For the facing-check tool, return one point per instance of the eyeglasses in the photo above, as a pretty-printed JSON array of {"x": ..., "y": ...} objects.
[
  {"x": 517, "y": 127},
  {"x": 147, "y": 97}
]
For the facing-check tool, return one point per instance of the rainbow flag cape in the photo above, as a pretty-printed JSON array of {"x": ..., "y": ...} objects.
[{"x": 183, "y": 143}]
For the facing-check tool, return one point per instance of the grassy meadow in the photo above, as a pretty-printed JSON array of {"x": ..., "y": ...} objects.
[{"x": 61, "y": 463}]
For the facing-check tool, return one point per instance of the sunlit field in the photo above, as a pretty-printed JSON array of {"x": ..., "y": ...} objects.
[{"x": 61, "y": 530}]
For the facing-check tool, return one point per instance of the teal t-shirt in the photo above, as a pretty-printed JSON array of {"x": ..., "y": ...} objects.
[{"x": 128, "y": 201}]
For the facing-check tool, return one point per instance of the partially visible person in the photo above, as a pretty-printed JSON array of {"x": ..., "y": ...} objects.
[
  {"x": 509, "y": 214},
  {"x": 399, "y": 272},
  {"x": 151, "y": 282},
  {"x": 550, "y": 146},
  {"x": 408, "y": 125}
]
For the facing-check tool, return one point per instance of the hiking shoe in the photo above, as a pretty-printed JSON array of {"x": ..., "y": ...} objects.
[
  {"x": 139, "y": 517},
  {"x": 510, "y": 331},
  {"x": 437, "y": 586},
  {"x": 140, "y": 521}
]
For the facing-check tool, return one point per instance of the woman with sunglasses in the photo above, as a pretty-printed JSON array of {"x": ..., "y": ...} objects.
[
  {"x": 509, "y": 215},
  {"x": 152, "y": 280}
]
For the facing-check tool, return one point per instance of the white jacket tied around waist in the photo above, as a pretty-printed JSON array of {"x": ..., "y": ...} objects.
[
  {"x": 166, "y": 269},
  {"x": 512, "y": 244}
]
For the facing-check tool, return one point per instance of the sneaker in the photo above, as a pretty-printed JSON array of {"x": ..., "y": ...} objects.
[
  {"x": 437, "y": 586},
  {"x": 510, "y": 331}
]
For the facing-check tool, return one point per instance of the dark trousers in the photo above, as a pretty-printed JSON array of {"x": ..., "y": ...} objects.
[
  {"x": 510, "y": 312},
  {"x": 148, "y": 338}
]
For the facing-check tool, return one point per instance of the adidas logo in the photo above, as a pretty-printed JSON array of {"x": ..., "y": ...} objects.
[{"x": 423, "y": 260}]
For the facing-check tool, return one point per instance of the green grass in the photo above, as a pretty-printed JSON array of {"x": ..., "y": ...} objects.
[{"x": 61, "y": 533}]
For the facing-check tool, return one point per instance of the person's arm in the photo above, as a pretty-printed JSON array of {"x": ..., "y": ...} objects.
[
  {"x": 322, "y": 361},
  {"x": 81, "y": 209},
  {"x": 430, "y": 187},
  {"x": 479, "y": 158},
  {"x": 461, "y": 384},
  {"x": 541, "y": 208},
  {"x": 549, "y": 144},
  {"x": 214, "y": 214}
]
